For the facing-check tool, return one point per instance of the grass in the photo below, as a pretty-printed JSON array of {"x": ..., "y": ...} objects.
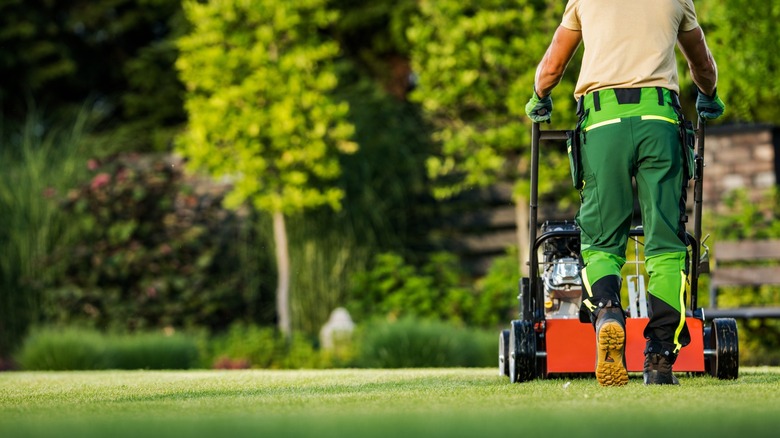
[{"x": 378, "y": 403}]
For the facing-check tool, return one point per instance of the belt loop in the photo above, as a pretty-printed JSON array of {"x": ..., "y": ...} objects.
[
  {"x": 596, "y": 101},
  {"x": 660, "y": 92}
]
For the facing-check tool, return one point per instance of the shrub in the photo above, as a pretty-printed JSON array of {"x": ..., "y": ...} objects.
[
  {"x": 393, "y": 288},
  {"x": 154, "y": 249},
  {"x": 252, "y": 346},
  {"x": 411, "y": 342},
  {"x": 497, "y": 291},
  {"x": 84, "y": 349},
  {"x": 749, "y": 218},
  {"x": 154, "y": 351},
  {"x": 60, "y": 350}
]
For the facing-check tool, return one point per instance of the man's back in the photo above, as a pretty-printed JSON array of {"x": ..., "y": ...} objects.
[{"x": 629, "y": 44}]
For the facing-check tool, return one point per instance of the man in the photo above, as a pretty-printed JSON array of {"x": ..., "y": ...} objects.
[{"x": 630, "y": 128}]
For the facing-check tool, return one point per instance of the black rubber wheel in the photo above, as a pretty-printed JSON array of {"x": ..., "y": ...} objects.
[
  {"x": 708, "y": 345},
  {"x": 724, "y": 362},
  {"x": 522, "y": 351},
  {"x": 503, "y": 353}
]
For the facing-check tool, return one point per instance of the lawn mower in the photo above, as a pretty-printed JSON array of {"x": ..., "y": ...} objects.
[{"x": 553, "y": 335}]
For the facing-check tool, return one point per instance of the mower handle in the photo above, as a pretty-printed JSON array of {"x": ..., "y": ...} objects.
[
  {"x": 698, "y": 197},
  {"x": 537, "y": 135}
]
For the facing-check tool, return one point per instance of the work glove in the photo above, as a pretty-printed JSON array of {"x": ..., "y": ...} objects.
[
  {"x": 709, "y": 107},
  {"x": 539, "y": 109}
]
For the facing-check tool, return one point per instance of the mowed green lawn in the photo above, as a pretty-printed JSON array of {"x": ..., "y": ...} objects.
[{"x": 379, "y": 403}]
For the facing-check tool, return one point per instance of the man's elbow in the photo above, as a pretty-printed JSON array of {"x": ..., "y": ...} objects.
[
  {"x": 553, "y": 68},
  {"x": 557, "y": 69},
  {"x": 706, "y": 67}
]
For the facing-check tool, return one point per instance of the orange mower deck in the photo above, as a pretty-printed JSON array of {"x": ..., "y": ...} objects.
[{"x": 571, "y": 347}]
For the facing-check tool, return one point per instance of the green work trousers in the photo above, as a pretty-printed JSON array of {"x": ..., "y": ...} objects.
[{"x": 643, "y": 145}]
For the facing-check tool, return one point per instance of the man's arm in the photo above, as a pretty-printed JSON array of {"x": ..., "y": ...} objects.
[
  {"x": 553, "y": 65},
  {"x": 704, "y": 71}
]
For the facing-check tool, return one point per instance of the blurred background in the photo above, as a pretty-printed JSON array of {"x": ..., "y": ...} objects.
[{"x": 202, "y": 183}]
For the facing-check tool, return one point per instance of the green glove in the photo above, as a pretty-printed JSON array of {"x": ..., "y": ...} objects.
[
  {"x": 709, "y": 107},
  {"x": 539, "y": 109}
]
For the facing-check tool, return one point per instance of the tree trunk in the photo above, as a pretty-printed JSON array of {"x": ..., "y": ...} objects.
[
  {"x": 283, "y": 276},
  {"x": 522, "y": 210}
]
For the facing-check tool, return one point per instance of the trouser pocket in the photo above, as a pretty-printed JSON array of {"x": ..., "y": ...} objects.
[
  {"x": 574, "y": 148},
  {"x": 688, "y": 141}
]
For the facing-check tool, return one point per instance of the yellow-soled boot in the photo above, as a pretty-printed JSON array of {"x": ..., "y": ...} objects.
[{"x": 611, "y": 347}]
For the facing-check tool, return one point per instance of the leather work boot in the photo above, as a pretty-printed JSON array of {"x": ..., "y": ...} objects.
[
  {"x": 611, "y": 347},
  {"x": 658, "y": 370}
]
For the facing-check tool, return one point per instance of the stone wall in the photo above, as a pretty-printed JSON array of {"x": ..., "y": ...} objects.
[{"x": 739, "y": 157}]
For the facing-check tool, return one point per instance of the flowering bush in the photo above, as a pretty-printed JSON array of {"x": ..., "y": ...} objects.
[{"x": 153, "y": 250}]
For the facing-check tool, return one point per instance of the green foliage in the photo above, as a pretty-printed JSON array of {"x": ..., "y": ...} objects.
[
  {"x": 393, "y": 288},
  {"x": 152, "y": 351},
  {"x": 744, "y": 38},
  {"x": 323, "y": 261},
  {"x": 55, "y": 349},
  {"x": 39, "y": 160},
  {"x": 749, "y": 218},
  {"x": 374, "y": 28},
  {"x": 381, "y": 182},
  {"x": 152, "y": 106},
  {"x": 476, "y": 62},
  {"x": 497, "y": 291},
  {"x": 410, "y": 342},
  {"x": 121, "y": 51},
  {"x": 58, "y": 349},
  {"x": 34, "y": 53},
  {"x": 759, "y": 339},
  {"x": 258, "y": 75},
  {"x": 373, "y": 35},
  {"x": 153, "y": 250},
  {"x": 251, "y": 346}
]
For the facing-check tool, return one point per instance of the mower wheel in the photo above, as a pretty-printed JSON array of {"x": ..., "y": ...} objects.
[
  {"x": 708, "y": 344},
  {"x": 522, "y": 351},
  {"x": 503, "y": 353},
  {"x": 723, "y": 341}
]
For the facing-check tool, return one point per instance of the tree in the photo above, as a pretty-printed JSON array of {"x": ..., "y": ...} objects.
[
  {"x": 118, "y": 52},
  {"x": 258, "y": 75},
  {"x": 373, "y": 34},
  {"x": 476, "y": 62},
  {"x": 745, "y": 39}
]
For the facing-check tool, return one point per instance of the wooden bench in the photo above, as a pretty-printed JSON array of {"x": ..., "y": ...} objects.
[{"x": 736, "y": 265}]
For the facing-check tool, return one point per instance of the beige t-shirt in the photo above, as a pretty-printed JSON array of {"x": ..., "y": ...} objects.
[{"x": 628, "y": 43}]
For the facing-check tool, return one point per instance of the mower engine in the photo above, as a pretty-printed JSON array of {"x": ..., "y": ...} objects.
[{"x": 561, "y": 271}]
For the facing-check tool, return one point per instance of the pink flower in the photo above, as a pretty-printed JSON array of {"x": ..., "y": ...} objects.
[
  {"x": 92, "y": 164},
  {"x": 165, "y": 249},
  {"x": 100, "y": 180}
]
